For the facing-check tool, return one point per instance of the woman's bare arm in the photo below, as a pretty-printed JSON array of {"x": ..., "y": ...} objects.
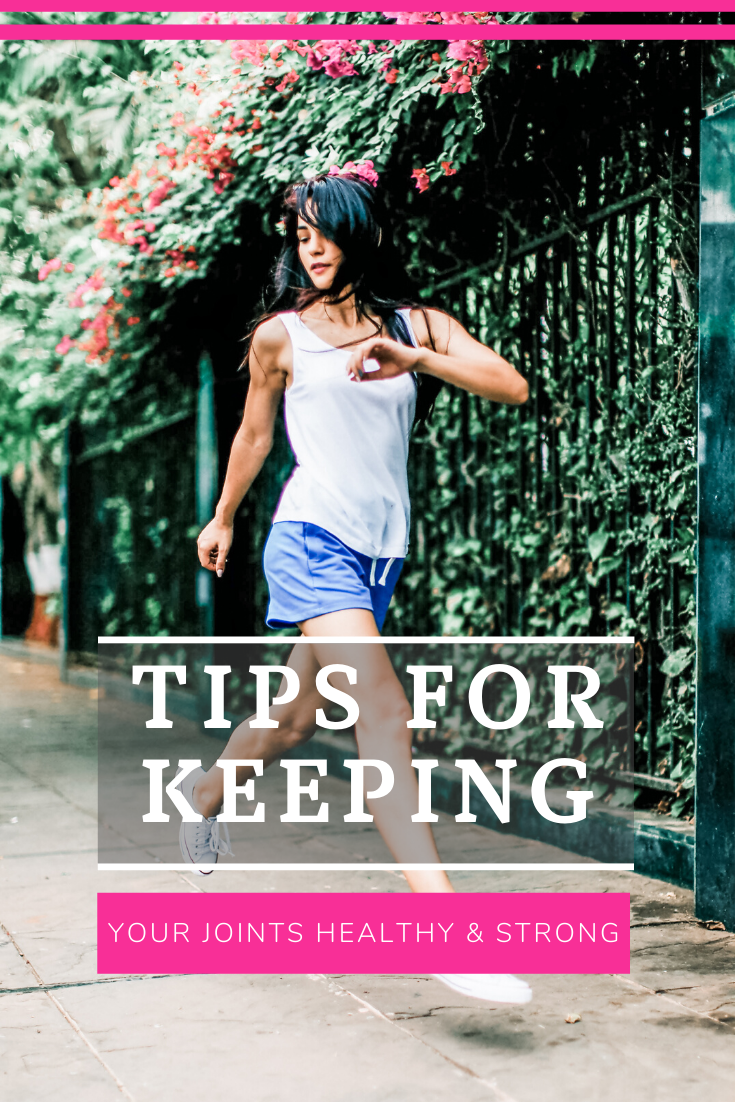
[
  {"x": 457, "y": 358},
  {"x": 462, "y": 361},
  {"x": 269, "y": 372}
]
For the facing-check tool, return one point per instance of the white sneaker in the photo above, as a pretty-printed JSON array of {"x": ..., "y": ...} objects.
[
  {"x": 494, "y": 989},
  {"x": 201, "y": 843}
]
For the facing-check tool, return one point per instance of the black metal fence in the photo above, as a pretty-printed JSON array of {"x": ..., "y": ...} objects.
[
  {"x": 130, "y": 501},
  {"x": 540, "y": 520}
]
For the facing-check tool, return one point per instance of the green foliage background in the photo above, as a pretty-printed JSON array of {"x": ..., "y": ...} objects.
[{"x": 72, "y": 119}]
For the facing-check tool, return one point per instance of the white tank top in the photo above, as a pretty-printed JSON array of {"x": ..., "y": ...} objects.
[{"x": 350, "y": 442}]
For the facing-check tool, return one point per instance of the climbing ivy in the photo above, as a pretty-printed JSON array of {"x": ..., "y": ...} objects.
[{"x": 128, "y": 170}]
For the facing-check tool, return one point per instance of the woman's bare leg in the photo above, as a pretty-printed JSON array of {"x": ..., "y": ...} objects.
[
  {"x": 382, "y": 734},
  {"x": 296, "y": 724}
]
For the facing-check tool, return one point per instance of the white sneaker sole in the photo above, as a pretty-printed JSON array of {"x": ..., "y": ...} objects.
[{"x": 484, "y": 987}]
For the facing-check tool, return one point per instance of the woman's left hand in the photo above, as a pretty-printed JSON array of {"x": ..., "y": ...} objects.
[{"x": 381, "y": 358}]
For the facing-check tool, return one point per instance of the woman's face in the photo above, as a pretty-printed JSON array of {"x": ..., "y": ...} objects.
[{"x": 320, "y": 257}]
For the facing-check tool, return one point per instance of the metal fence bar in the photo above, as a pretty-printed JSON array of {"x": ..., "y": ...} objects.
[{"x": 206, "y": 484}]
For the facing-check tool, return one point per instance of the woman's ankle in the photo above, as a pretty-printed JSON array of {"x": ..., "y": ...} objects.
[
  {"x": 205, "y": 802},
  {"x": 433, "y": 880}
]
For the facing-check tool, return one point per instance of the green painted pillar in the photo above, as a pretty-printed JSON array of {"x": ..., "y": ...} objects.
[
  {"x": 206, "y": 485},
  {"x": 715, "y": 792},
  {"x": 66, "y": 607}
]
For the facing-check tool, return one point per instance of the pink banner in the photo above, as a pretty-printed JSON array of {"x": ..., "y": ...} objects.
[
  {"x": 368, "y": 6},
  {"x": 226, "y": 32},
  {"x": 561, "y": 932},
  {"x": 259, "y": 6}
]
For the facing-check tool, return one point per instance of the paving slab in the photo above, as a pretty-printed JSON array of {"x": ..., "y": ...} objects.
[
  {"x": 663, "y": 1033},
  {"x": 42, "y": 1056},
  {"x": 261, "y": 1037}
]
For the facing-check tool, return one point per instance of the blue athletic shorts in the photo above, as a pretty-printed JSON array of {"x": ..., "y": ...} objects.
[{"x": 310, "y": 573}]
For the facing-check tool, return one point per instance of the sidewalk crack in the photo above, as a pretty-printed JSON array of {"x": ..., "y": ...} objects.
[
  {"x": 674, "y": 1002},
  {"x": 497, "y": 1094},
  {"x": 67, "y": 1016}
]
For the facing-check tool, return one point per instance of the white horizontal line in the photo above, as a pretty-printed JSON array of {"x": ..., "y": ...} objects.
[
  {"x": 290, "y": 640},
  {"x": 234, "y": 866}
]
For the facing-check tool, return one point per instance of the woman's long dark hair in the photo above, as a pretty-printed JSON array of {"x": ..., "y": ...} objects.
[{"x": 350, "y": 212}]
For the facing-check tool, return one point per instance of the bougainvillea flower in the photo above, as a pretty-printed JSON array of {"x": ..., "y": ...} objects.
[
  {"x": 333, "y": 58},
  {"x": 467, "y": 51},
  {"x": 364, "y": 169},
  {"x": 159, "y": 193},
  {"x": 421, "y": 176},
  {"x": 458, "y": 82},
  {"x": 94, "y": 283},
  {"x": 50, "y": 266},
  {"x": 253, "y": 51},
  {"x": 64, "y": 345}
]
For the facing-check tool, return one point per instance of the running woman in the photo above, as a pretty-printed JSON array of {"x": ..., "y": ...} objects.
[{"x": 357, "y": 364}]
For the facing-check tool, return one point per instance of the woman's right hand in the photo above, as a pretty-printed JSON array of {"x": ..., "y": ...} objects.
[{"x": 213, "y": 545}]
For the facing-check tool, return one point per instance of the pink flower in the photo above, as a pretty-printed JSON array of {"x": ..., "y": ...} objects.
[
  {"x": 364, "y": 169},
  {"x": 458, "y": 17},
  {"x": 448, "y": 170},
  {"x": 474, "y": 52},
  {"x": 391, "y": 76},
  {"x": 93, "y": 283},
  {"x": 50, "y": 266},
  {"x": 291, "y": 17},
  {"x": 421, "y": 176},
  {"x": 411, "y": 16},
  {"x": 304, "y": 51},
  {"x": 339, "y": 67},
  {"x": 457, "y": 82},
  {"x": 333, "y": 58},
  {"x": 64, "y": 345},
  {"x": 225, "y": 178},
  {"x": 254, "y": 51},
  {"x": 289, "y": 78},
  {"x": 68, "y": 267},
  {"x": 159, "y": 193}
]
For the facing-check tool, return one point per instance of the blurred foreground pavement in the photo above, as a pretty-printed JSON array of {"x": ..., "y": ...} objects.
[{"x": 665, "y": 1033}]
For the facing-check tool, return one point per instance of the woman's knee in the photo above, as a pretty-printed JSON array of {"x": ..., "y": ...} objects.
[
  {"x": 385, "y": 722},
  {"x": 297, "y": 727},
  {"x": 388, "y": 708}
]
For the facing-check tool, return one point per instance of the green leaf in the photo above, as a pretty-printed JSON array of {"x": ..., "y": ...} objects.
[
  {"x": 677, "y": 662},
  {"x": 597, "y": 542}
]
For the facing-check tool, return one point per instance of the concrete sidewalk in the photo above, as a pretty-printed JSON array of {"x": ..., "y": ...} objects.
[{"x": 664, "y": 1033}]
